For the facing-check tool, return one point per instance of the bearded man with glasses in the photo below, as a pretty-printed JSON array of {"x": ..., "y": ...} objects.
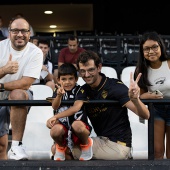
[
  {"x": 110, "y": 123},
  {"x": 21, "y": 63}
]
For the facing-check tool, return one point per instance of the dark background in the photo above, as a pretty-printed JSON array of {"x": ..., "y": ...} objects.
[
  {"x": 121, "y": 16},
  {"x": 132, "y": 18}
]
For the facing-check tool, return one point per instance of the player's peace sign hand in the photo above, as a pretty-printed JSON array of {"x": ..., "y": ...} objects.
[
  {"x": 134, "y": 90},
  {"x": 60, "y": 89}
]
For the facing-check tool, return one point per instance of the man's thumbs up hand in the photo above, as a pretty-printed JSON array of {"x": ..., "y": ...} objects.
[{"x": 11, "y": 67}]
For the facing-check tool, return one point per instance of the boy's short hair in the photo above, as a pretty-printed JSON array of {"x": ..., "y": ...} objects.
[{"x": 67, "y": 69}]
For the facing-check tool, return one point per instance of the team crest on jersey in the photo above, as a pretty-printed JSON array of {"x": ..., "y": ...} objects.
[
  {"x": 119, "y": 82},
  {"x": 82, "y": 91},
  {"x": 104, "y": 94}
]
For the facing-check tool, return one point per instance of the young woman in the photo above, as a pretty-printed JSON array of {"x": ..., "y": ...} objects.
[{"x": 154, "y": 83}]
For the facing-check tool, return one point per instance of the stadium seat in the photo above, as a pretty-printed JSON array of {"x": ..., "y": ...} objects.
[
  {"x": 109, "y": 72},
  {"x": 132, "y": 56},
  {"x": 125, "y": 75},
  {"x": 41, "y": 92},
  {"x": 132, "y": 116},
  {"x": 40, "y": 113},
  {"x": 37, "y": 140},
  {"x": 89, "y": 43},
  {"x": 80, "y": 81},
  {"x": 37, "y": 136},
  {"x": 139, "y": 140},
  {"x": 131, "y": 50},
  {"x": 112, "y": 53}
]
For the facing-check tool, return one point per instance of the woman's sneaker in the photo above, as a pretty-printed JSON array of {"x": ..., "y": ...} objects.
[
  {"x": 17, "y": 153},
  {"x": 86, "y": 150}
]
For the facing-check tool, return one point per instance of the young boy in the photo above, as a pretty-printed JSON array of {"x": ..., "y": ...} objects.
[{"x": 63, "y": 130}]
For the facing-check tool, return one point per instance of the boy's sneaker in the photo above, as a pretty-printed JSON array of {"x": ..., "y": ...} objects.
[
  {"x": 60, "y": 153},
  {"x": 17, "y": 153},
  {"x": 86, "y": 150},
  {"x": 53, "y": 151}
]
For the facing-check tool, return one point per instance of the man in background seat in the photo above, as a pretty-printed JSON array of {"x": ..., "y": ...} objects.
[
  {"x": 46, "y": 77},
  {"x": 69, "y": 54}
]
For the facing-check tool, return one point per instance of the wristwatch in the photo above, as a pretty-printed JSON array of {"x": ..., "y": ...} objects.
[{"x": 2, "y": 87}]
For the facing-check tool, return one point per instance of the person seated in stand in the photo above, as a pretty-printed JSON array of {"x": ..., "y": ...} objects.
[
  {"x": 69, "y": 54},
  {"x": 63, "y": 130},
  {"x": 110, "y": 123},
  {"x": 3, "y": 30},
  {"x": 46, "y": 77},
  {"x": 20, "y": 65},
  {"x": 154, "y": 64},
  {"x": 34, "y": 40}
]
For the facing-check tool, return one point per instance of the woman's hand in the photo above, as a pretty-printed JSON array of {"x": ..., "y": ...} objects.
[{"x": 151, "y": 95}]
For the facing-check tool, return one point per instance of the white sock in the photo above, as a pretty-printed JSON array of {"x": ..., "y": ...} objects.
[{"x": 15, "y": 143}]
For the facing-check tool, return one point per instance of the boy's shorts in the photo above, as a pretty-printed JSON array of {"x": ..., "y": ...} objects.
[
  {"x": 74, "y": 138},
  {"x": 5, "y": 116}
]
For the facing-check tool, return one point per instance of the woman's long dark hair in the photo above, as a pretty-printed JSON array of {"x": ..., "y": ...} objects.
[{"x": 142, "y": 64}]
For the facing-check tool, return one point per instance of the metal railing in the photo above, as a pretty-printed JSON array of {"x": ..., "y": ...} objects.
[{"x": 148, "y": 102}]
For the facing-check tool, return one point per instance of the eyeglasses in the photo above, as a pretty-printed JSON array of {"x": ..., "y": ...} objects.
[
  {"x": 16, "y": 31},
  {"x": 147, "y": 49},
  {"x": 90, "y": 71}
]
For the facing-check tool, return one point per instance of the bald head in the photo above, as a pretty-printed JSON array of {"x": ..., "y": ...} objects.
[
  {"x": 19, "y": 22},
  {"x": 19, "y": 33}
]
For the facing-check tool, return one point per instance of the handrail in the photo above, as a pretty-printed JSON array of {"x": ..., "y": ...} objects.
[
  {"x": 148, "y": 102},
  {"x": 47, "y": 103}
]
